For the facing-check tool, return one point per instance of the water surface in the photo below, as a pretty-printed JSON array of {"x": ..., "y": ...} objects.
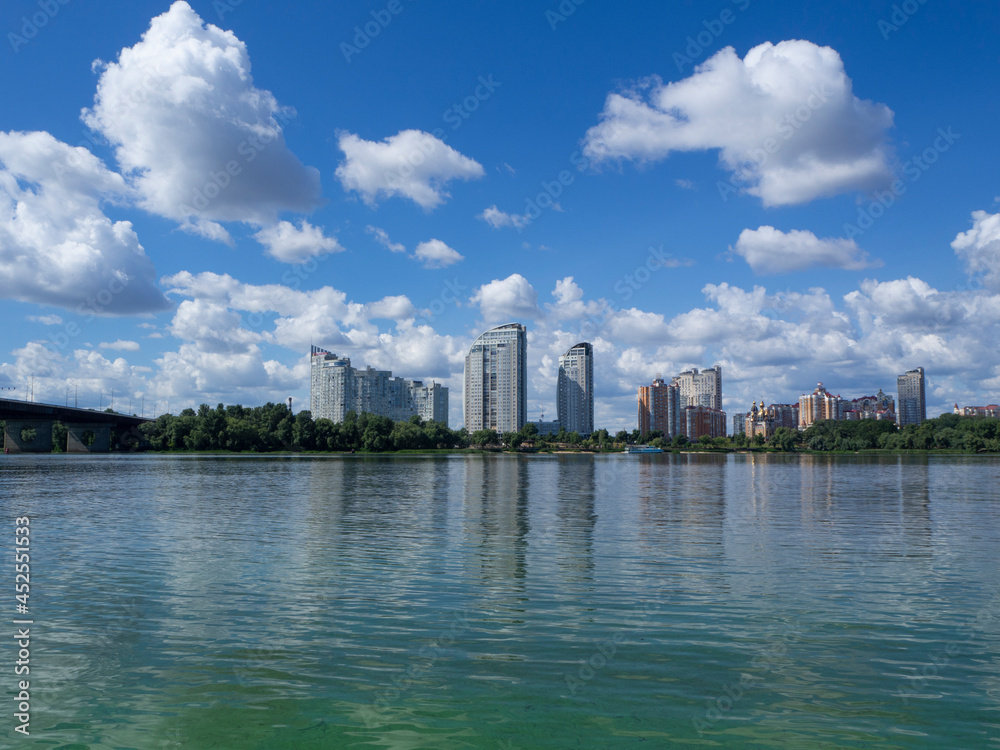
[{"x": 510, "y": 602}]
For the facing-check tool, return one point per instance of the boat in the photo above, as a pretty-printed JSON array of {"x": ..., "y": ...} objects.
[{"x": 642, "y": 449}]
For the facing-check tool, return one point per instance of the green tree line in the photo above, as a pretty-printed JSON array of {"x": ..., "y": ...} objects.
[{"x": 268, "y": 428}]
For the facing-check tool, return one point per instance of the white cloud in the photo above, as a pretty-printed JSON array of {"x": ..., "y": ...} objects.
[
  {"x": 509, "y": 299},
  {"x": 200, "y": 142},
  {"x": 46, "y": 320},
  {"x": 56, "y": 245},
  {"x": 382, "y": 238},
  {"x": 411, "y": 164},
  {"x": 291, "y": 244},
  {"x": 120, "y": 345},
  {"x": 768, "y": 250},
  {"x": 392, "y": 308},
  {"x": 498, "y": 219},
  {"x": 436, "y": 254},
  {"x": 980, "y": 247},
  {"x": 785, "y": 119}
]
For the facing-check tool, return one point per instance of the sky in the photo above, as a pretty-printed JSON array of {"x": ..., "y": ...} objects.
[{"x": 193, "y": 193}]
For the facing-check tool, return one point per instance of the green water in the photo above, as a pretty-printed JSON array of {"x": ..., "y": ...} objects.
[{"x": 508, "y": 602}]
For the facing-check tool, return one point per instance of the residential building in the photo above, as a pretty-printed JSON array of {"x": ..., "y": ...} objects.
[
  {"x": 820, "y": 404},
  {"x": 430, "y": 401},
  {"x": 337, "y": 388},
  {"x": 496, "y": 380},
  {"x": 575, "y": 391},
  {"x": 992, "y": 410},
  {"x": 912, "y": 402},
  {"x": 701, "y": 389},
  {"x": 547, "y": 429},
  {"x": 660, "y": 408},
  {"x": 739, "y": 423},
  {"x": 880, "y": 406},
  {"x": 699, "y": 421}
]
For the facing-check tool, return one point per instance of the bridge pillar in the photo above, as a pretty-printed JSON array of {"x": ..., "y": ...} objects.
[
  {"x": 13, "y": 442},
  {"x": 77, "y": 437}
]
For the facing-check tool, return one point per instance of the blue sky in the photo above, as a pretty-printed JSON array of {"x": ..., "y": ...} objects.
[{"x": 192, "y": 193}]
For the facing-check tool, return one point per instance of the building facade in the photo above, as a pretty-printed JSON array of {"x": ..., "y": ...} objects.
[
  {"x": 820, "y": 404},
  {"x": 496, "y": 380},
  {"x": 660, "y": 408},
  {"x": 337, "y": 388},
  {"x": 912, "y": 402},
  {"x": 739, "y": 423},
  {"x": 765, "y": 420},
  {"x": 990, "y": 410},
  {"x": 575, "y": 391},
  {"x": 880, "y": 406},
  {"x": 700, "y": 421},
  {"x": 701, "y": 388}
]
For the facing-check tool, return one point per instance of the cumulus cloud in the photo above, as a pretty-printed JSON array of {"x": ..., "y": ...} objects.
[
  {"x": 784, "y": 118},
  {"x": 769, "y": 251},
  {"x": 436, "y": 254},
  {"x": 392, "y": 308},
  {"x": 198, "y": 140},
  {"x": 980, "y": 247},
  {"x": 120, "y": 345},
  {"x": 57, "y": 247},
  {"x": 507, "y": 299},
  {"x": 296, "y": 244},
  {"x": 411, "y": 164},
  {"x": 499, "y": 219},
  {"x": 382, "y": 238}
]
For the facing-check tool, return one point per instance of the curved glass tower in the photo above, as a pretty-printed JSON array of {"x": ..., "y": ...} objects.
[
  {"x": 575, "y": 392},
  {"x": 496, "y": 380}
]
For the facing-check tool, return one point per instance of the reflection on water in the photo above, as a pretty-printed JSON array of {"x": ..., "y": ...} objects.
[{"x": 498, "y": 601}]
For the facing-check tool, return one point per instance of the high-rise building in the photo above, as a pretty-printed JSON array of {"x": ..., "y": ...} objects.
[
  {"x": 820, "y": 404},
  {"x": 336, "y": 388},
  {"x": 660, "y": 408},
  {"x": 912, "y": 403},
  {"x": 701, "y": 389},
  {"x": 496, "y": 380},
  {"x": 739, "y": 424},
  {"x": 575, "y": 392},
  {"x": 430, "y": 401}
]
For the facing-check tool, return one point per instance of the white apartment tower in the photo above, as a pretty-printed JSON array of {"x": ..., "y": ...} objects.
[
  {"x": 337, "y": 388},
  {"x": 496, "y": 380},
  {"x": 575, "y": 392},
  {"x": 701, "y": 389}
]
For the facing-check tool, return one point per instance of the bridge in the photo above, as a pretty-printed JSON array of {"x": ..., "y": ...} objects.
[{"x": 28, "y": 428}]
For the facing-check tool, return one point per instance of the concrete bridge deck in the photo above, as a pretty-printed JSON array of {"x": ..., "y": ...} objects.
[{"x": 28, "y": 427}]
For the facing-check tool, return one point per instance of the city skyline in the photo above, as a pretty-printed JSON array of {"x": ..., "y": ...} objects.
[{"x": 183, "y": 210}]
